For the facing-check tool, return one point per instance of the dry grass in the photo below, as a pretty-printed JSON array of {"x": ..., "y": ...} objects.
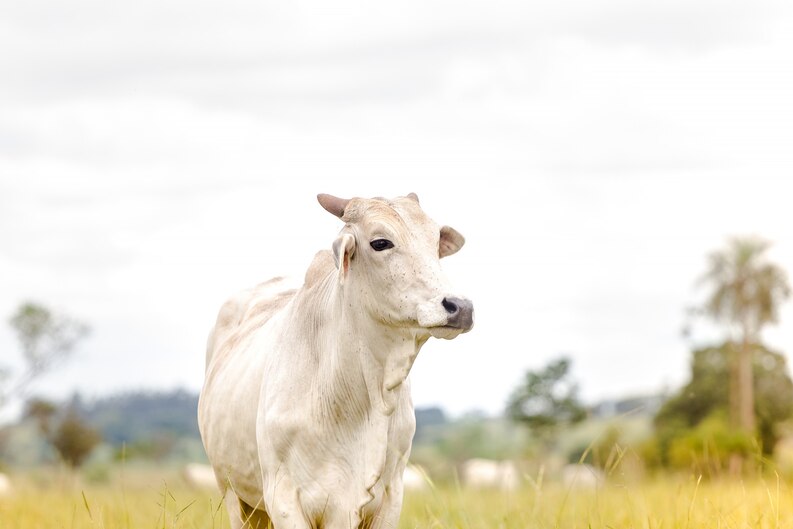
[
  {"x": 148, "y": 500},
  {"x": 662, "y": 503},
  {"x": 141, "y": 500}
]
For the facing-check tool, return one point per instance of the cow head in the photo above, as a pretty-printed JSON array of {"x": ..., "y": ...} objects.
[{"x": 388, "y": 257}]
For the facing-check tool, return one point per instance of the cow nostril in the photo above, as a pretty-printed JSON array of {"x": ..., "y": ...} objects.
[
  {"x": 450, "y": 306},
  {"x": 460, "y": 313}
]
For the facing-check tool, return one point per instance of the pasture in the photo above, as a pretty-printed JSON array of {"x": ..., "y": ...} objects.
[{"x": 146, "y": 499}]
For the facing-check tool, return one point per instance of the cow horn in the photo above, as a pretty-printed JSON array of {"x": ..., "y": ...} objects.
[{"x": 333, "y": 204}]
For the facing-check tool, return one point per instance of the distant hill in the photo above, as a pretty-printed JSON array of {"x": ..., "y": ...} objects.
[
  {"x": 641, "y": 405},
  {"x": 164, "y": 426},
  {"x": 141, "y": 416},
  {"x": 427, "y": 419}
]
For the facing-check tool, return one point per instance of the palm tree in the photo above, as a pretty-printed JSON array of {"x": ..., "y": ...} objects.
[{"x": 746, "y": 293}]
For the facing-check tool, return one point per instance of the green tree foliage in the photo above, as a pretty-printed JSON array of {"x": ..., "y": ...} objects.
[
  {"x": 43, "y": 412},
  {"x": 707, "y": 395},
  {"x": 62, "y": 428},
  {"x": 74, "y": 439},
  {"x": 746, "y": 291},
  {"x": 547, "y": 399},
  {"x": 602, "y": 452},
  {"x": 44, "y": 337},
  {"x": 711, "y": 447}
]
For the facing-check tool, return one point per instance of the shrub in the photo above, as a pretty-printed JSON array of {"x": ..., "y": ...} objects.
[{"x": 711, "y": 448}]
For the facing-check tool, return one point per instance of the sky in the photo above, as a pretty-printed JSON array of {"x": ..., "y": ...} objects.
[{"x": 157, "y": 157}]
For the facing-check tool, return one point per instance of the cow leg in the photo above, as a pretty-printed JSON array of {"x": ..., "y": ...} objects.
[
  {"x": 242, "y": 515},
  {"x": 283, "y": 506},
  {"x": 387, "y": 516},
  {"x": 342, "y": 520},
  {"x": 234, "y": 509},
  {"x": 254, "y": 518}
]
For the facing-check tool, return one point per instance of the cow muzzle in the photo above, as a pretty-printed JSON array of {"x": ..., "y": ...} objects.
[
  {"x": 460, "y": 313},
  {"x": 447, "y": 316}
]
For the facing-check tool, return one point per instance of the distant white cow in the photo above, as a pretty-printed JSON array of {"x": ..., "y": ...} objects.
[
  {"x": 415, "y": 478},
  {"x": 305, "y": 412},
  {"x": 486, "y": 473},
  {"x": 5, "y": 486},
  {"x": 582, "y": 476},
  {"x": 200, "y": 477}
]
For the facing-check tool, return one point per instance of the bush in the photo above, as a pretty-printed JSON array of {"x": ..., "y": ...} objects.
[
  {"x": 74, "y": 439},
  {"x": 711, "y": 448}
]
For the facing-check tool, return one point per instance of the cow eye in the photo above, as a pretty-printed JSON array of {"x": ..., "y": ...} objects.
[{"x": 381, "y": 244}]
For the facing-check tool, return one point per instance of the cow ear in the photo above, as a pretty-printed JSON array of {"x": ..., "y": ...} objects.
[
  {"x": 451, "y": 241},
  {"x": 343, "y": 250}
]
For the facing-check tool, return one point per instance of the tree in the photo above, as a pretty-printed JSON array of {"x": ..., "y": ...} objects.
[
  {"x": 706, "y": 395},
  {"x": 547, "y": 399},
  {"x": 43, "y": 412},
  {"x": 746, "y": 291},
  {"x": 44, "y": 337},
  {"x": 74, "y": 439}
]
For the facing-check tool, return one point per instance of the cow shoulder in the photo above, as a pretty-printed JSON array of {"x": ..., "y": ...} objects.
[
  {"x": 322, "y": 265},
  {"x": 244, "y": 312}
]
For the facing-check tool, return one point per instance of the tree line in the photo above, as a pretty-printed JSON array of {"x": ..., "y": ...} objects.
[
  {"x": 739, "y": 393},
  {"x": 728, "y": 415}
]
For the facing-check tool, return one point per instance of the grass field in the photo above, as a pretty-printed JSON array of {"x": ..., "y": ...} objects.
[{"x": 154, "y": 501}]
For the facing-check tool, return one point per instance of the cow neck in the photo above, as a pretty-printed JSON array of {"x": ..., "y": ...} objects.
[
  {"x": 386, "y": 355},
  {"x": 370, "y": 356}
]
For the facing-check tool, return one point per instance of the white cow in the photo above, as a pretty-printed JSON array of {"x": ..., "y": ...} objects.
[
  {"x": 489, "y": 474},
  {"x": 200, "y": 477},
  {"x": 305, "y": 412},
  {"x": 582, "y": 476},
  {"x": 5, "y": 486},
  {"x": 415, "y": 478}
]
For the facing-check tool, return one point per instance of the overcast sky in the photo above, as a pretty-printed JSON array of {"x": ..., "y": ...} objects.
[{"x": 157, "y": 157}]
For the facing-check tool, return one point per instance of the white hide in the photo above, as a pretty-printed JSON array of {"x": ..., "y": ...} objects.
[
  {"x": 489, "y": 474},
  {"x": 200, "y": 477},
  {"x": 582, "y": 476},
  {"x": 305, "y": 412},
  {"x": 5, "y": 486}
]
